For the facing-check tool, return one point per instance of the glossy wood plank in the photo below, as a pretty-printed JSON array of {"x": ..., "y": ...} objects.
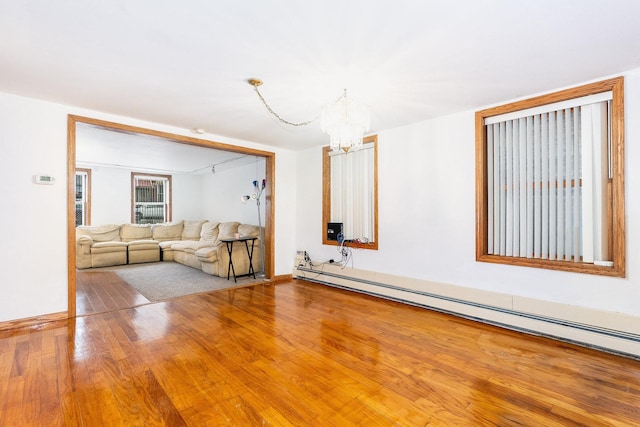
[
  {"x": 297, "y": 354},
  {"x": 99, "y": 291}
]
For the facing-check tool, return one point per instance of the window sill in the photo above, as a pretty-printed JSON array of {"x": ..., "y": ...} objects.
[{"x": 569, "y": 266}]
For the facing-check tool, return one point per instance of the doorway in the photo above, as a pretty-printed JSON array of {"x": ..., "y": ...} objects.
[{"x": 72, "y": 123}]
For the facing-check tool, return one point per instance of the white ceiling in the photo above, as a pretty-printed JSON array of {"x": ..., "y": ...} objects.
[
  {"x": 186, "y": 63},
  {"x": 104, "y": 147}
]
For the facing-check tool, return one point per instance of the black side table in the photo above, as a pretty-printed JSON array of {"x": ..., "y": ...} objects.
[{"x": 229, "y": 242}]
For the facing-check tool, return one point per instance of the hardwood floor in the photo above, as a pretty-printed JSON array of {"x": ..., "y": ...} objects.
[
  {"x": 102, "y": 291},
  {"x": 302, "y": 354}
]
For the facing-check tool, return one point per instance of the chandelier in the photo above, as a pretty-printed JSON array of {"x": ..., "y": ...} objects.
[{"x": 345, "y": 121}]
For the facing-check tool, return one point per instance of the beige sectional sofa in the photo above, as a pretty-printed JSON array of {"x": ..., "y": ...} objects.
[{"x": 193, "y": 243}]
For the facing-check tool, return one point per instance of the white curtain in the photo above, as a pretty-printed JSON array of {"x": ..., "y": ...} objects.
[
  {"x": 547, "y": 183},
  {"x": 352, "y": 196}
]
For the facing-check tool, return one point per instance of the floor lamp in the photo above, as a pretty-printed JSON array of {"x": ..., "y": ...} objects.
[{"x": 258, "y": 189}]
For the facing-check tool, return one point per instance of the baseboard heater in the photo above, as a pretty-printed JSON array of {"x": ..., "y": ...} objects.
[{"x": 616, "y": 334}]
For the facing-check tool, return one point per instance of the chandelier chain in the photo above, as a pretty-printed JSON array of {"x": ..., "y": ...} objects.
[{"x": 277, "y": 116}]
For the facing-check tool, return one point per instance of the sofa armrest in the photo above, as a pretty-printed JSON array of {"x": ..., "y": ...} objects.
[
  {"x": 83, "y": 251},
  {"x": 85, "y": 243}
]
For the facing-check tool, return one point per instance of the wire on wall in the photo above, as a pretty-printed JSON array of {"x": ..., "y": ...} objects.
[{"x": 345, "y": 253}]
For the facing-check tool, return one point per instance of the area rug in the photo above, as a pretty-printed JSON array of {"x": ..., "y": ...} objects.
[{"x": 166, "y": 280}]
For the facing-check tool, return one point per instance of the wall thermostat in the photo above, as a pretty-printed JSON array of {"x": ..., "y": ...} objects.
[{"x": 44, "y": 179}]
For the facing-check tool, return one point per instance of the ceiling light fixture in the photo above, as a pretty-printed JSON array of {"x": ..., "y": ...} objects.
[
  {"x": 345, "y": 121},
  {"x": 257, "y": 82}
]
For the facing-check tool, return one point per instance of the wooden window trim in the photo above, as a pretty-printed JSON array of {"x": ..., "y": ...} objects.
[
  {"x": 616, "y": 85},
  {"x": 326, "y": 196},
  {"x": 169, "y": 200},
  {"x": 88, "y": 194}
]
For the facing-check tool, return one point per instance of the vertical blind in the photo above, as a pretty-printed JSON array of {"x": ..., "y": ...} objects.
[
  {"x": 547, "y": 174},
  {"x": 352, "y": 194}
]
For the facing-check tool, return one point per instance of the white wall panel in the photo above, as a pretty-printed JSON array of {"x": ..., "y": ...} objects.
[{"x": 33, "y": 249}]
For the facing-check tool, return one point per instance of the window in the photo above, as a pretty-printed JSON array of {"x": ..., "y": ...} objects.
[
  {"x": 550, "y": 181},
  {"x": 350, "y": 192},
  {"x": 151, "y": 198},
  {"x": 83, "y": 196}
]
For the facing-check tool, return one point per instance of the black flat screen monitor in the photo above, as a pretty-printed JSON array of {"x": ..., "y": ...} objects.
[{"x": 333, "y": 229}]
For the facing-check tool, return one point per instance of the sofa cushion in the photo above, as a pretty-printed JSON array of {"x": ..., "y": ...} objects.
[
  {"x": 190, "y": 246},
  {"x": 100, "y": 233},
  {"x": 208, "y": 254},
  {"x": 249, "y": 230},
  {"x": 107, "y": 247},
  {"x": 143, "y": 245},
  {"x": 129, "y": 232},
  {"x": 168, "y": 243},
  {"x": 192, "y": 229},
  {"x": 227, "y": 229},
  {"x": 168, "y": 231},
  {"x": 209, "y": 231}
]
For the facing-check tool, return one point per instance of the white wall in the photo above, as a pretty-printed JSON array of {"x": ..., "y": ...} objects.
[
  {"x": 222, "y": 192},
  {"x": 32, "y": 141},
  {"x": 33, "y": 248},
  {"x": 427, "y": 216},
  {"x": 426, "y": 210},
  {"x": 110, "y": 195},
  {"x": 185, "y": 197},
  {"x": 286, "y": 210}
]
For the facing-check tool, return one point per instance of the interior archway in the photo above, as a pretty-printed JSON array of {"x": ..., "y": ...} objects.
[{"x": 73, "y": 120}]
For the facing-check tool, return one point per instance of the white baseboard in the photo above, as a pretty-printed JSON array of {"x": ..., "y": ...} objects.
[{"x": 607, "y": 331}]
